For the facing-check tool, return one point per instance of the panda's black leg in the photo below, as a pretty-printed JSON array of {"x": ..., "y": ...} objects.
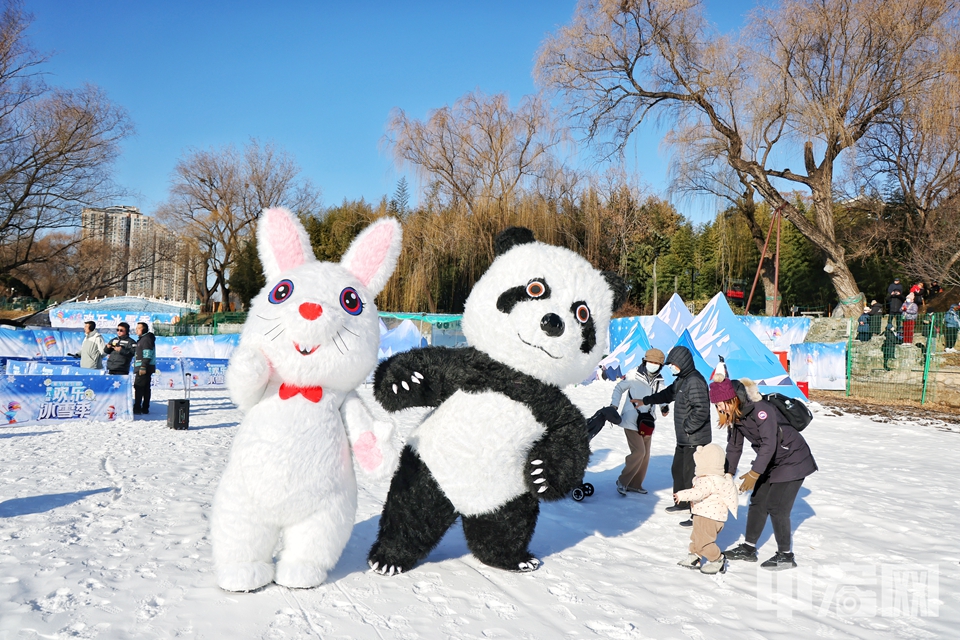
[
  {"x": 501, "y": 539},
  {"x": 415, "y": 516}
]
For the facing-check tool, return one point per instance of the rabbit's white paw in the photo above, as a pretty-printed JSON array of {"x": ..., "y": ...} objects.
[
  {"x": 299, "y": 575},
  {"x": 244, "y": 576}
]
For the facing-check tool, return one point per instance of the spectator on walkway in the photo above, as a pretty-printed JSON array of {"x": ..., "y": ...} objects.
[
  {"x": 951, "y": 326},
  {"x": 910, "y": 312},
  {"x": 889, "y": 346},
  {"x": 121, "y": 350},
  {"x": 876, "y": 317},
  {"x": 863, "y": 326},
  {"x": 92, "y": 348},
  {"x": 691, "y": 419},
  {"x": 144, "y": 364},
  {"x": 895, "y": 296},
  {"x": 919, "y": 293}
]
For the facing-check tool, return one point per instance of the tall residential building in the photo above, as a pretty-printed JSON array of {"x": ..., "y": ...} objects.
[{"x": 143, "y": 250}]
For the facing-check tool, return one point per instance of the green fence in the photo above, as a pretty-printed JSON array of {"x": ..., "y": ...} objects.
[
  {"x": 203, "y": 325},
  {"x": 899, "y": 360}
]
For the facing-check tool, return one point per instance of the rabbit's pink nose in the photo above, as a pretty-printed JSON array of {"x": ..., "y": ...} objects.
[{"x": 311, "y": 311}]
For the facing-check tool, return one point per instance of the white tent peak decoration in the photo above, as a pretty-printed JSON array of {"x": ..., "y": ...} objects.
[{"x": 675, "y": 314}]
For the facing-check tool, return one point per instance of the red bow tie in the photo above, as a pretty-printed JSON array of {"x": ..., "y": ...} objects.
[{"x": 313, "y": 394}]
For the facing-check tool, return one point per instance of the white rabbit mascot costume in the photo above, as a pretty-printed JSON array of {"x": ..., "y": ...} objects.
[{"x": 311, "y": 337}]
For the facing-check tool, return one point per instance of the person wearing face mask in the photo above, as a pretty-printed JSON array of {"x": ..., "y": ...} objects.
[
  {"x": 691, "y": 419},
  {"x": 637, "y": 424}
]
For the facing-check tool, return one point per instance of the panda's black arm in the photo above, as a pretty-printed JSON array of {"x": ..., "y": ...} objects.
[
  {"x": 557, "y": 461},
  {"x": 561, "y": 455},
  {"x": 421, "y": 377}
]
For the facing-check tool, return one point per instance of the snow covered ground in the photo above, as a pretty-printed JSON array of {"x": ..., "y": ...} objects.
[{"x": 103, "y": 534}]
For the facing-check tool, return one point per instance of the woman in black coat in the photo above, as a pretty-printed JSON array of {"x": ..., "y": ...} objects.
[{"x": 783, "y": 461}]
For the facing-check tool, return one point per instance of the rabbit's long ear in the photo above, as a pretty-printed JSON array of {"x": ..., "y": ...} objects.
[
  {"x": 282, "y": 243},
  {"x": 373, "y": 254}
]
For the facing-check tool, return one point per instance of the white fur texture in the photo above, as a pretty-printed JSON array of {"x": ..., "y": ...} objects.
[
  {"x": 291, "y": 471},
  {"x": 516, "y": 338},
  {"x": 480, "y": 467}
]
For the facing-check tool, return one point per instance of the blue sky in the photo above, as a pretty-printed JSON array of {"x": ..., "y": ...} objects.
[{"x": 318, "y": 78}]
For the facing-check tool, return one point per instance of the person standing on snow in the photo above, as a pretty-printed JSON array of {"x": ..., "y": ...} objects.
[
  {"x": 783, "y": 461},
  {"x": 712, "y": 495},
  {"x": 92, "y": 348},
  {"x": 691, "y": 419},
  {"x": 144, "y": 364},
  {"x": 121, "y": 351},
  {"x": 637, "y": 424}
]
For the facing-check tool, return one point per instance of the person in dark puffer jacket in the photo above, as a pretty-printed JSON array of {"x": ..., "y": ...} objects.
[
  {"x": 691, "y": 418},
  {"x": 783, "y": 460}
]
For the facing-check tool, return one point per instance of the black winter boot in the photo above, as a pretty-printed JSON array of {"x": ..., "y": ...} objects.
[
  {"x": 782, "y": 560},
  {"x": 743, "y": 551}
]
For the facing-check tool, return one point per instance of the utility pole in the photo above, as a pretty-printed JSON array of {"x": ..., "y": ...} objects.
[{"x": 654, "y": 284}]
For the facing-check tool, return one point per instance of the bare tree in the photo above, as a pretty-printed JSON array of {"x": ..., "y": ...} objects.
[
  {"x": 807, "y": 81},
  {"x": 479, "y": 150},
  {"x": 216, "y": 198}
]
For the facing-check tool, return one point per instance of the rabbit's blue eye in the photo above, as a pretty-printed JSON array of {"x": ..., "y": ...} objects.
[
  {"x": 281, "y": 292},
  {"x": 350, "y": 301}
]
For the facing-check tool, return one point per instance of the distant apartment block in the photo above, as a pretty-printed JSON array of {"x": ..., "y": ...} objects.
[{"x": 154, "y": 264}]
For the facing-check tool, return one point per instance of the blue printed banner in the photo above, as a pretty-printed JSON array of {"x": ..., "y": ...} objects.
[
  {"x": 169, "y": 374},
  {"x": 47, "y": 368},
  {"x": 46, "y": 399},
  {"x": 205, "y": 373},
  {"x": 822, "y": 365}
]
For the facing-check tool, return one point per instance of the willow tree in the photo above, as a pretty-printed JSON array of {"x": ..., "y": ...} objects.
[{"x": 803, "y": 82}]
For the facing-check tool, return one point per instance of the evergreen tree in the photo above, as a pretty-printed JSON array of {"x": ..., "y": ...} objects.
[{"x": 247, "y": 277}]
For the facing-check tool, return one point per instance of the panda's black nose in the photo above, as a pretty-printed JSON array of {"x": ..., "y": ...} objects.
[{"x": 552, "y": 325}]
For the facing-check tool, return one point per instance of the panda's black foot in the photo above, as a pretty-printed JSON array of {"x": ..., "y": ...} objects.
[{"x": 385, "y": 569}]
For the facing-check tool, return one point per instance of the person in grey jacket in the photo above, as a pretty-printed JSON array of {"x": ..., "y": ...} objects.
[
  {"x": 92, "y": 348},
  {"x": 783, "y": 460},
  {"x": 691, "y": 418}
]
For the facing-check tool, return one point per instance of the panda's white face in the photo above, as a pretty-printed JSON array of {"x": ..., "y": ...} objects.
[{"x": 542, "y": 310}]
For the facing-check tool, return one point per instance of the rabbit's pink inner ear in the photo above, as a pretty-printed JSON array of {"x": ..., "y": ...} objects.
[
  {"x": 371, "y": 253},
  {"x": 284, "y": 239}
]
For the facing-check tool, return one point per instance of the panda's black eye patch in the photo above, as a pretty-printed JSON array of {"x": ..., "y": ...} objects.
[
  {"x": 536, "y": 289},
  {"x": 588, "y": 330}
]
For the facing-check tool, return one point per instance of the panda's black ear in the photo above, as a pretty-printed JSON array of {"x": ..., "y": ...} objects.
[
  {"x": 617, "y": 286},
  {"x": 509, "y": 238}
]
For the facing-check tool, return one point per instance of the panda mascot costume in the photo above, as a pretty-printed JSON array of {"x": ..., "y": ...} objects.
[{"x": 502, "y": 436}]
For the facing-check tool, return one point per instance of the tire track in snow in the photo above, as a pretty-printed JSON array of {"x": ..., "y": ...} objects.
[{"x": 289, "y": 595}]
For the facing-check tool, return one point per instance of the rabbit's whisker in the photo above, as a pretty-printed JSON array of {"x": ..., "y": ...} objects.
[
  {"x": 265, "y": 317},
  {"x": 269, "y": 331},
  {"x": 278, "y": 335},
  {"x": 348, "y": 331},
  {"x": 337, "y": 345}
]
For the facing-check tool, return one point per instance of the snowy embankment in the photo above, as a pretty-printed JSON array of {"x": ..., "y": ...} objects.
[{"x": 103, "y": 534}]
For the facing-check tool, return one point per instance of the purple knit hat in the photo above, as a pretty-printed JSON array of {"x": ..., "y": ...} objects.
[{"x": 722, "y": 391}]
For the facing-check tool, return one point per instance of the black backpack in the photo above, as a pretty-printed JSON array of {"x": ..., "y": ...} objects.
[{"x": 796, "y": 412}]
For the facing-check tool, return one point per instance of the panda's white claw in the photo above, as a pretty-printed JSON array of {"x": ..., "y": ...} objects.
[
  {"x": 418, "y": 374},
  {"x": 537, "y": 462},
  {"x": 541, "y": 489},
  {"x": 373, "y": 565},
  {"x": 415, "y": 379},
  {"x": 394, "y": 389},
  {"x": 405, "y": 386},
  {"x": 539, "y": 481},
  {"x": 536, "y": 472}
]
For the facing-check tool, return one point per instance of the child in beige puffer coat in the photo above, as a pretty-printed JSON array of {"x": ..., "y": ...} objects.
[{"x": 712, "y": 495}]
